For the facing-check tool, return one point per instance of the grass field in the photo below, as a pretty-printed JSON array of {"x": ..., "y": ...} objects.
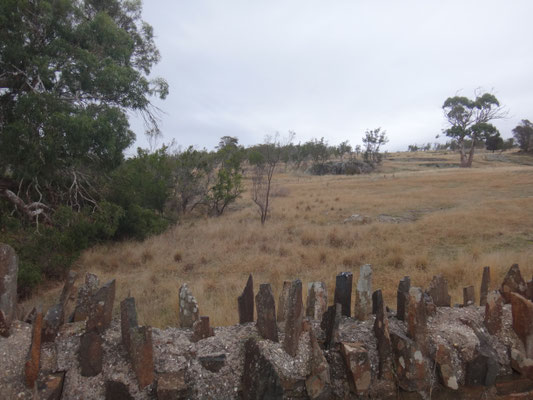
[{"x": 421, "y": 216}]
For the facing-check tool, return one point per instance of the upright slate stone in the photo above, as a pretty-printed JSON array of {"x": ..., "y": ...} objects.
[
  {"x": 52, "y": 321},
  {"x": 266, "y": 313},
  {"x": 90, "y": 354},
  {"x": 363, "y": 294},
  {"x": 142, "y": 356},
  {"x": 283, "y": 301},
  {"x": 128, "y": 320},
  {"x": 330, "y": 325},
  {"x": 469, "y": 296},
  {"x": 401, "y": 297},
  {"x": 295, "y": 314},
  {"x": 318, "y": 383},
  {"x": 9, "y": 266},
  {"x": 317, "y": 300},
  {"x": 343, "y": 292},
  {"x": 67, "y": 292},
  {"x": 485, "y": 285},
  {"x": 522, "y": 311},
  {"x": 484, "y": 367},
  {"x": 246, "y": 302},
  {"x": 438, "y": 290},
  {"x": 101, "y": 309},
  {"x": 494, "y": 312},
  {"x": 201, "y": 329},
  {"x": 85, "y": 296},
  {"x": 417, "y": 318},
  {"x": 188, "y": 313},
  {"x": 31, "y": 368},
  {"x": 513, "y": 283},
  {"x": 381, "y": 332}
]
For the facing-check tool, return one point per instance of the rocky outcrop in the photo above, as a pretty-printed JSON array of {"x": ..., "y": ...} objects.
[{"x": 450, "y": 352}]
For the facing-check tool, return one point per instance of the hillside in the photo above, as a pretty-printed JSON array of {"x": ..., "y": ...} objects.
[{"x": 418, "y": 216}]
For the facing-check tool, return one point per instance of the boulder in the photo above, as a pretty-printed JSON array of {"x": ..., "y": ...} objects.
[
  {"x": 266, "y": 313},
  {"x": 295, "y": 313},
  {"x": 317, "y": 300},
  {"x": 188, "y": 312},
  {"x": 246, "y": 302},
  {"x": 363, "y": 294},
  {"x": 343, "y": 292},
  {"x": 438, "y": 290},
  {"x": 9, "y": 266}
]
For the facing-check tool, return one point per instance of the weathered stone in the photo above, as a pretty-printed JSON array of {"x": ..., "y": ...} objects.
[
  {"x": 358, "y": 363},
  {"x": 259, "y": 379},
  {"x": 266, "y": 313},
  {"x": 128, "y": 320},
  {"x": 295, "y": 314},
  {"x": 246, "y": 302},
  {"x": 529, "y": 290},
  {"x": 213, "y": 362},
  {"x": 51, "y": 387},
  {"x": 513, "y": 283},
  {"x": 485, "y": 286},
  {"x": 343, "y": 292},
  {"x": 115, "y": 390},
  {"x": 9, "y": 266},
  {"x": 363, "y": 294},
  {"x": 522, "y": 311},
  {"x": 416, "y": 318},
  {"x": 172, "y": 386},
  {"x": 446, "y": 367},
  {"x": 330, "y": 325},
  {"x": 142, "y": 357},
  {"x": 317, "y": 300},
  {"x": 401, "y": 297},
  {"x": 283, "y": 301},
  {"x": 438, "y": 290},
  {"x": 431, "y": 308},
  {"x": 484, "y": 367},
  {"x": 318, "y": 382},
  {"x": 201, "y": 329},
  {"x": 29, "y": 318},
  {"x": 52, "y": 321},
  {"x": 188, "y": 313},
  {"x": 85, "y": 297},
  {"x": 67, "y": 293},
  {"x": 412, "y": 369},
  {"x": 511, "y": 384},
  {"x": 31, "y": 368},
  {"x": 90, "y": 354},
  {"x": 381, "y": 332},
  {"x": 101, "y": 309},
  {"x": 469, "y": 296},
  {"x": 493, "y": 312}
]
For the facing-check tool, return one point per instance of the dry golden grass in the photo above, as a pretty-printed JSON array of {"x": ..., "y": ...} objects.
[{"x": 455, "y": 222}]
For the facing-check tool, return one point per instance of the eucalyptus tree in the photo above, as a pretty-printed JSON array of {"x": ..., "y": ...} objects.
[
  {"x": 70, "y": 71},
  {"x": 469, "y": 121}
]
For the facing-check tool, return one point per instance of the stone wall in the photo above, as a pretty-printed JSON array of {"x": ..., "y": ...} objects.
[{"x": 80, "y": 349}]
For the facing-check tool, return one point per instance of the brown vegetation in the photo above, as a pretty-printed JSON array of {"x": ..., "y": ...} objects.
[{"x": 419, "y": 221}]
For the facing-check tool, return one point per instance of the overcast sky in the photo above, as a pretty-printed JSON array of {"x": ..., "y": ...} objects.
[{"x": 334, "y": 68}]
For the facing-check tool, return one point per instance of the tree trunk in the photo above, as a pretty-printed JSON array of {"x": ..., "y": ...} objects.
[
  {"x": 462, "y": 153},
  {"x": 471, "y": 155}
]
